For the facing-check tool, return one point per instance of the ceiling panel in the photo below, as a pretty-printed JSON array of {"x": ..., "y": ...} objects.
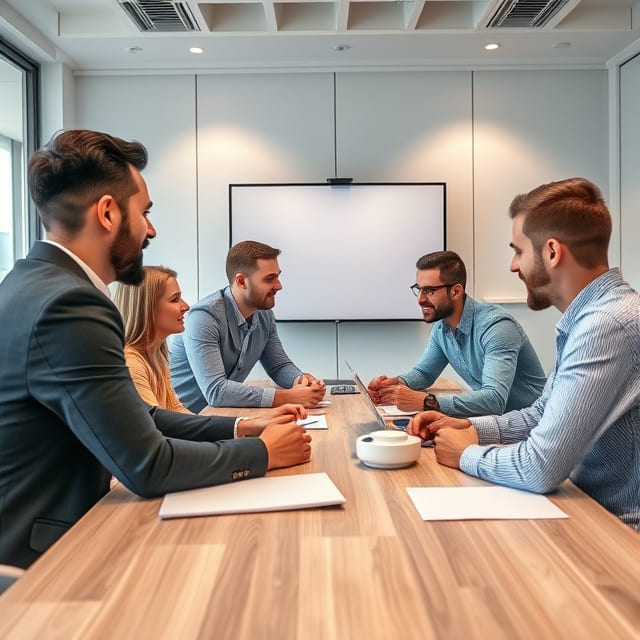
[{"x": 95, "y": 35}]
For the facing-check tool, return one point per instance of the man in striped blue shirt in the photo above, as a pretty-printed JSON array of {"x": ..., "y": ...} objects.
[{"x": 586, "y": 424}]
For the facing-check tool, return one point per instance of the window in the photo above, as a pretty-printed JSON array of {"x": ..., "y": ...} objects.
[{"x": 18, "y": 140}]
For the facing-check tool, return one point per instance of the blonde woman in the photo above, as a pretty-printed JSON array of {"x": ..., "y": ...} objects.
[{"x": 151, "y": 312}]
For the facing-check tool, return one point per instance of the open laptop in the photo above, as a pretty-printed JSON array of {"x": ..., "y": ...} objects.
[
  {"x": 372, "y": 407},
  {"x": 364, "y": 394}
]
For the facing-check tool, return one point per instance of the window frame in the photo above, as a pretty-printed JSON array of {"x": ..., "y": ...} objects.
[{"x": 25, "y": 219}]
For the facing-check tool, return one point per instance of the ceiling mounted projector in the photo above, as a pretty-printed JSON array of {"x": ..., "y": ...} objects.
[{"x": 390, "y": 449}]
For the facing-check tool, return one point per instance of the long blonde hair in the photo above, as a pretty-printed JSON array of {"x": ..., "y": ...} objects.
[{"x": 138, "y": 306}]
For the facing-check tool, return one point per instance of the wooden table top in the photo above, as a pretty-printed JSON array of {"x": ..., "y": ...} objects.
[{"x": 371, "y": 569}]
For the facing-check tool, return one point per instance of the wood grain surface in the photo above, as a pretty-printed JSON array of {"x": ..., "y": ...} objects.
[{"x": 371, "y": 569}]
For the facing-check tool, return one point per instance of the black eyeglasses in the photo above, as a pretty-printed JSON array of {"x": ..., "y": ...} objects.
[{"x": 428, "y": 291}]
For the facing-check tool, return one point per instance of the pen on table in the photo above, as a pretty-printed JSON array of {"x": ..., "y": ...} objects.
[{"x": 304, "y": 424}]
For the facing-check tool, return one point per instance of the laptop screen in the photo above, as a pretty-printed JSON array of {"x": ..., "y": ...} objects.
[{"x": 367, "y": 398}]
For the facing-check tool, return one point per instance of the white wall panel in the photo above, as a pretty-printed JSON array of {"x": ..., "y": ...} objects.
[
  {"x": 530, "y": 127},
  {"x": 159, "y": 111},
  {"x": 630, "y": 170}
]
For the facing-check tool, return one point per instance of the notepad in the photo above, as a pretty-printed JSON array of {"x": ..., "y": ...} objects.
[
  {"x": 277, "y": 493},
  {"x": 316, "y": 421},
  {"x": 481, "y": 503}
]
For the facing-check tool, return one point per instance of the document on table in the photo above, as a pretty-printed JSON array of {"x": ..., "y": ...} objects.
[
  {"x": 317, "y": 421},
  {"x": 276, "y": 493},
  {"x": 392, "y": 410},
  {"x": 481, "y": 503}
]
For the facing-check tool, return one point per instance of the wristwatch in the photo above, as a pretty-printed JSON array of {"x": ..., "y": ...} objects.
[{"x": 430, "y": 402}]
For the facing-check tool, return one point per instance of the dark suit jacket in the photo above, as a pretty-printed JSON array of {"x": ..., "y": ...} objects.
[{"x": 70, "y": 415}]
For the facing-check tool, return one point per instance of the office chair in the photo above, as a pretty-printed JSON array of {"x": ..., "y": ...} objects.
[{"x": 8, "y": 575}]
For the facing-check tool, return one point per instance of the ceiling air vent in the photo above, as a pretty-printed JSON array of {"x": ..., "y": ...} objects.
[
  {"x": 524, "y": 13},
  {"x": 160, "y": 15}
]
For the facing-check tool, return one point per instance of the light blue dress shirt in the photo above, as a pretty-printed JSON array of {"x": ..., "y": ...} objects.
[
  {"x": 491, "y": 352},
  {"x": 217, "y": 351},
  {"x": 586, "y": 424}
]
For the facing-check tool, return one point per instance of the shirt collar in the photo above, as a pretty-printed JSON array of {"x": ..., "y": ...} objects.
[
  {"x": 593, "y": 291},
  {"x": 240, "y": 319},
  {"x": 91, "y": 274},
  {"x": 466, "y": 319}
]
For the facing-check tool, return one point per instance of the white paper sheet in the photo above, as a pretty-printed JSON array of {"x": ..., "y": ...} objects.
[
  {"x": 392, "y": 410},
  {"x": 317, "y": 421},
  {"x": 277, "y": 493},
  {"x": 481, "y": 503}
]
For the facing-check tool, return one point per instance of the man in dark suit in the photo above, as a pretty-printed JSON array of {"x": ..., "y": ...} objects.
[{"x": 70, "y": 416}]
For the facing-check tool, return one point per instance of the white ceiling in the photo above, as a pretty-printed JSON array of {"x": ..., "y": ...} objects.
[{"x": 97, "y": 35}]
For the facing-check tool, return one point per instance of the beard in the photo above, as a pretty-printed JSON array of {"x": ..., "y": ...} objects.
[
  {"x": 262, "y": 303},
  {"x": 536, "y": 300},
  {"x": 126, "y": 257},
  {"x": 440, "y": 312}
]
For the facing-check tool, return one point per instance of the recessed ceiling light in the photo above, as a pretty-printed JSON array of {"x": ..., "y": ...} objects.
[
  {"x": 196, "y": 50},
  {"x": 133, "y": 50},
  {"x": 561, "y": 45},
  {"x": 492, "y": 46},
  {"x": 341, "y": 47}
]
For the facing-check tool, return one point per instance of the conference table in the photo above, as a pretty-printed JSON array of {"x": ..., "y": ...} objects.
[{"x": 369, "y": 569}]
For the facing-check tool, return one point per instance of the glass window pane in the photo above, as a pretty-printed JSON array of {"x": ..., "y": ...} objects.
[
  {"x": 18, "y": 124},
  {"x": 6, "y": 207}
]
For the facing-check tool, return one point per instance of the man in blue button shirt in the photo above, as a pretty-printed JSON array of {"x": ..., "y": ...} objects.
[
  {"x": 586, "y": 424},
  {"x": 228, "y": 332},
  {"x": 485, "y": 345}
]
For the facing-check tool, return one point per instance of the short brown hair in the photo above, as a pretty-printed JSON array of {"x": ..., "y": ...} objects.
[
  {"x": 452, "y": 269},
  {"x": 243, "y": 257},
  {"x": 75, "y": 169},
  {"x": 574, "y": 212}
]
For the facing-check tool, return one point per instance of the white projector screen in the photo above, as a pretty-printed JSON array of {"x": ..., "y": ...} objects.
[{"x": 348, "y": 251}]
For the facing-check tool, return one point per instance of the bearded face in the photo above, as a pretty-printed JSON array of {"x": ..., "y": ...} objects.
[
  {"x": 126, "y": 253},
  {"x": 534, "y": 280}
]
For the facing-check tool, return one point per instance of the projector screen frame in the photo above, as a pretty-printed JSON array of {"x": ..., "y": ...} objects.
[{"x": 329, "y": 187}]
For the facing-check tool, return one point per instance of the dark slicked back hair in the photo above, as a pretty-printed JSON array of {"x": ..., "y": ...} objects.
[
  {"x": 574, "y": 212},
  {"x": 243, "y": 257},
  {"x": 452, "y": 269},
  {"x": 75, "y": 169}
]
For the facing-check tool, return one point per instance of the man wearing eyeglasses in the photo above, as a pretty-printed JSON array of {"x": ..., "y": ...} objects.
[
  {"x": 586, "y": 424},
  {"x": 485, "y": 345}
]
